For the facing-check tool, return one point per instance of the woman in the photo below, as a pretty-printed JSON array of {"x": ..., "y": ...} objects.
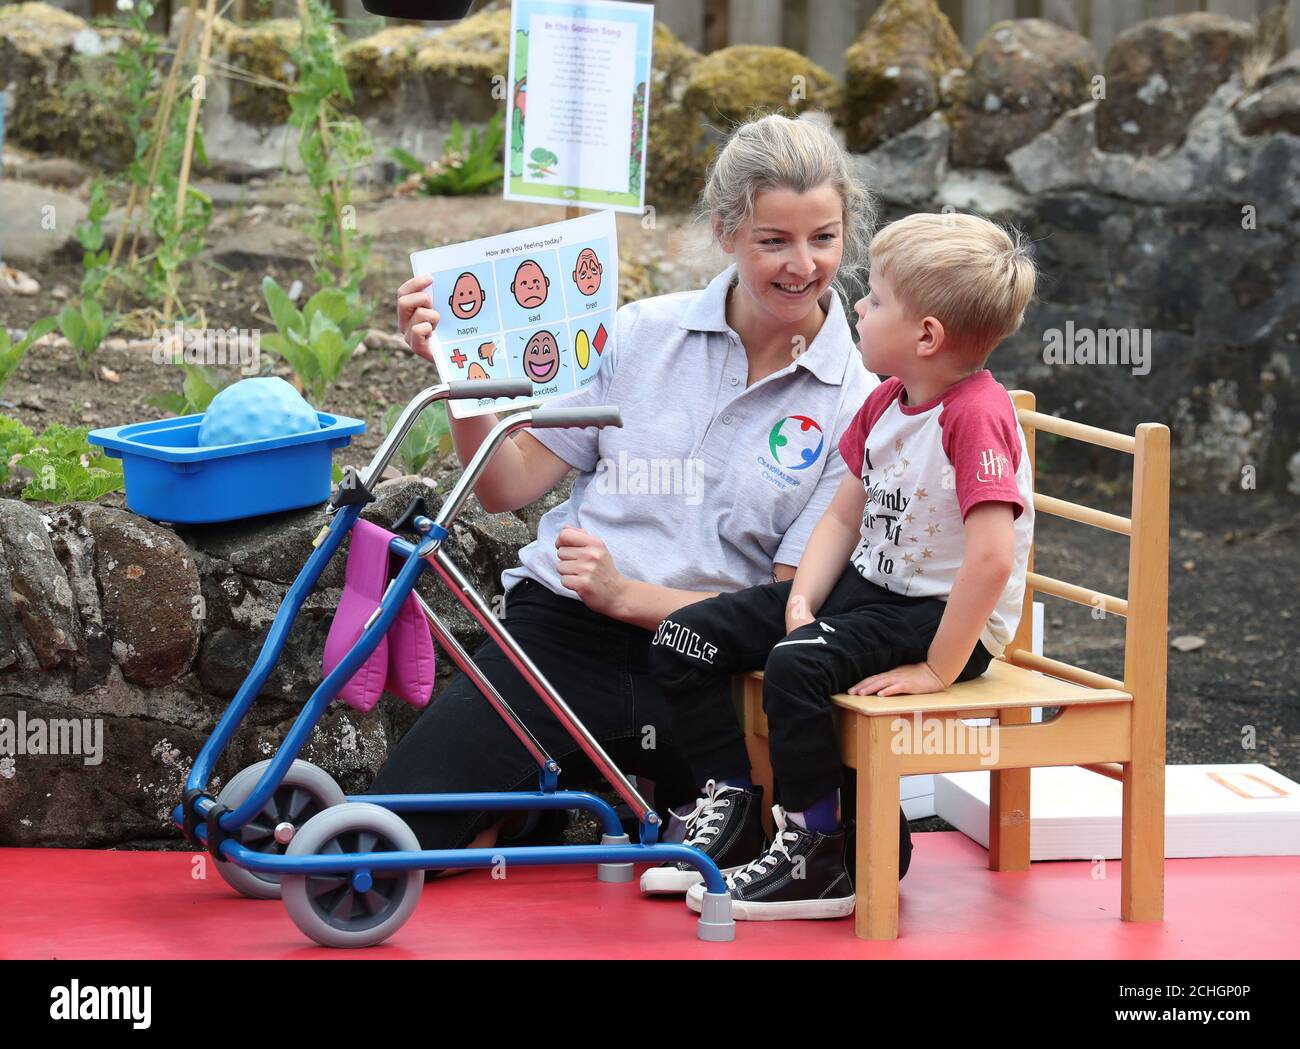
[{"x": 739, "y": 392}]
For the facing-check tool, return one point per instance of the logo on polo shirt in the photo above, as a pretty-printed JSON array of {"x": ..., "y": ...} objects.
[{"x": 796, "y": 442}]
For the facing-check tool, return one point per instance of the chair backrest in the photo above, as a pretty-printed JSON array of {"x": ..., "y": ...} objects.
[{"x": 1145, "y": 606}]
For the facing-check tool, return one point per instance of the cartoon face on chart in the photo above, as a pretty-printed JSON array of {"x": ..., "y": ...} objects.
[
  {"x": 587, "y": 271},
  {"x": 467, "y": 296},
  {"x": 541, "y": 357},
  {"x": 530, "y": 285}
]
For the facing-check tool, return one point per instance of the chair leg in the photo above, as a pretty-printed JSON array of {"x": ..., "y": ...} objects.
[
  {"x": 877, "y": 833},
  {"x": 760, "y": 760},
  {"x": 1009, "y": 826},
  {"x": 1142, "y": 866}
]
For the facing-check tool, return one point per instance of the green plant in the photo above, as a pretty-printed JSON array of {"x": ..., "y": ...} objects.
[
  {"x": 317, "y": 341},
  {"x": 332, "y": 145},
  {"x": 84, "y": 327},
  {"x": 90, "y": 235},
  {"x": 461, "y": 170},
  {"x": 11, "y": 353},
  {"x": 178, "y": 240},
  {"x": 200, "y": 385},
  {"x": 65, "y": 468},
  {"x": 15, "y": 439},
  {"x": 430, "y": 435}
]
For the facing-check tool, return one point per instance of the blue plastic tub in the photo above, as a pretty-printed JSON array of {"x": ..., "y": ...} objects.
[{"x": 170, "y": 478}]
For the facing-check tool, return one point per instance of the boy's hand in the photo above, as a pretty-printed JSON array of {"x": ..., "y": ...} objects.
[
  {"x": 914, "y": 679},
  {"x": 416, "y": 317}
]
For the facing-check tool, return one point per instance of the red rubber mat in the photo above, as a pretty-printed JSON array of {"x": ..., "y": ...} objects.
[{"x": 63, "y": 903}]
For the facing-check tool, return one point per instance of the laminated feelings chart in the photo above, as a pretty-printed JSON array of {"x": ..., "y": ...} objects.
[
  {"x": 536, "y": 304},
  {"x": 579, "y": 102}
]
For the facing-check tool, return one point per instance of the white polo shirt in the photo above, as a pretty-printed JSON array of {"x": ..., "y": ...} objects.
[{"x": 708, "y": 483}]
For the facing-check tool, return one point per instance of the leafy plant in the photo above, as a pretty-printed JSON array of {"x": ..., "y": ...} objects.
[
  {"x": 90, "y": 235},
  {"x": 12, "y": 353},
  {"x": 430, "y": 435},
  {"x": 200, "y": 385},
  {"x": 317, "y": 341},
  {"x": 84, "y": 327},
  {"x": 15, "y": 439},
  {"x": 461, "y": 170},
  {"x": 65, "y": 468},
  {"x": 154, "y": 173},
  {"x": 332, "y": 146}
]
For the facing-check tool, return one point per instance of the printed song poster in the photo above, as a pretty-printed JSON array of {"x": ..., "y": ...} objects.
[{"x": 579, "y": 103}]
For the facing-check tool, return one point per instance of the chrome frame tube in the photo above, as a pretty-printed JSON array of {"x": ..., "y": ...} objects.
[
  {"x": 470, "y": 669},
  {"x": 477, "y": 464},
  {"x": 478, "y": 608},
  {"x": 398, "y": 433}
]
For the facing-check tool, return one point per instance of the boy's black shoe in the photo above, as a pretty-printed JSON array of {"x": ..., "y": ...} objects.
[
  {"x": 725, "y": 826},
  {"x": 801, "y": 875}
]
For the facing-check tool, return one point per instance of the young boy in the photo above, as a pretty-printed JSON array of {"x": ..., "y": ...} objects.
[{"x": 913, "y": 579}]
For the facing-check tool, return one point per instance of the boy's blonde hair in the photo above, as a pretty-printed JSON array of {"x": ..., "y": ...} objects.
[
  {"x": 971, "y": 274},
  {"x": 779, "y": 152}
]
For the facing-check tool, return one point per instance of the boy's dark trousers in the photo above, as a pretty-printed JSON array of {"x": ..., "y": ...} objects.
[{"x": 861, "y": 629}]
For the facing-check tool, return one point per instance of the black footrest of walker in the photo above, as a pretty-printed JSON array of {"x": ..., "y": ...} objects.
[
  {"x": 216, "y": 834},
  {"x": 192, "y": 818},
  {"x": 351, "y": 490},
  {"x": 416, "y": 508}
]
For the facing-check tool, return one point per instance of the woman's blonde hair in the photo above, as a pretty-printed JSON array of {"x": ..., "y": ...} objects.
[
  {"x": 971, "y": 274},
  {"x": 778, "y": 152}
]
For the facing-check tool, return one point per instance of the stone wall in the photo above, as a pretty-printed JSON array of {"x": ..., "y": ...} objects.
[{"x": 143, "y": 633}]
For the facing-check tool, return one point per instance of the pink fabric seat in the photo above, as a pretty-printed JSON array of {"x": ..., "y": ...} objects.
[{"x": 403, "y": 662}]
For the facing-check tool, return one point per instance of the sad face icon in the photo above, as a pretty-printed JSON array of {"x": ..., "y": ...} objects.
[{"x": 530, "y": 285}]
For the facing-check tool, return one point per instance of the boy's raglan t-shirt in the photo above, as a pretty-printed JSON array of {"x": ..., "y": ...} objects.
[{"x": 923, "y": 468}]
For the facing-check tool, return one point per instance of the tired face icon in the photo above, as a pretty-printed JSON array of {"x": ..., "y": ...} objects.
[
  {"x": 541, "y": 357},
  {"x": 466, "y": 297},
  {"x": 530, "y": 285},
  {"x": 586, "y": 274}
]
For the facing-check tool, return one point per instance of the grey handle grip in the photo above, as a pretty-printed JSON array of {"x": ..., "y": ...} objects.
[
  {"x": 475, "y": 388},
  {"x": 597, "y": 415}
]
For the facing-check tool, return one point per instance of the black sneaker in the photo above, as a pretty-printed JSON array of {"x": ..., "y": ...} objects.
[
  {"x": 725, "y": 826},
  {"x": 801, "y": 875}
]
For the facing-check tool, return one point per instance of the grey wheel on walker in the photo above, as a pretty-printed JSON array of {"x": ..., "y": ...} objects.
[
  {"x": 326, "y": 906},
  {"x": 305, "y": 791}
]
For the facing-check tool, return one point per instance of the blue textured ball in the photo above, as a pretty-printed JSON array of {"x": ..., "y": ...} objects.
[{"x": 254, "y": 409}]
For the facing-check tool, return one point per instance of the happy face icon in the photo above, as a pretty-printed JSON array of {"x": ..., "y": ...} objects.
[
  {"x": 587, "y": 271},
  {"x": 467, "y": 297},
  {"x": 541, "y": 357},
  {"x": 530, "y": 285}
]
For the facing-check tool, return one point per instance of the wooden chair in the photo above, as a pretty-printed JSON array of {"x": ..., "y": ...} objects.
[{"x": 1114, "y": 728}]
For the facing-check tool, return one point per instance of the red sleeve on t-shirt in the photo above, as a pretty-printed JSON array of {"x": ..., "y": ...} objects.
[
  {"x": 981, "y": 437},
  {"x": 854, "y": 442}
]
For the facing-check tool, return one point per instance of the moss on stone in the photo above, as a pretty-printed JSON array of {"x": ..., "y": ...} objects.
[
  {"x": 63, "y": 103},
  {"x": 731, "y": 84},
  {"x": 635, "y": 280},
  {"x": 677, "y": 154},
  {"x": 263, "y": 49},
  {"x": 377, "y": 66},
  {"x": 905, "y": 50}
]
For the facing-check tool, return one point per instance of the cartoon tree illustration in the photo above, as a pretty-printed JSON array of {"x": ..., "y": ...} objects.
[{"x": 543, "y": 162}]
